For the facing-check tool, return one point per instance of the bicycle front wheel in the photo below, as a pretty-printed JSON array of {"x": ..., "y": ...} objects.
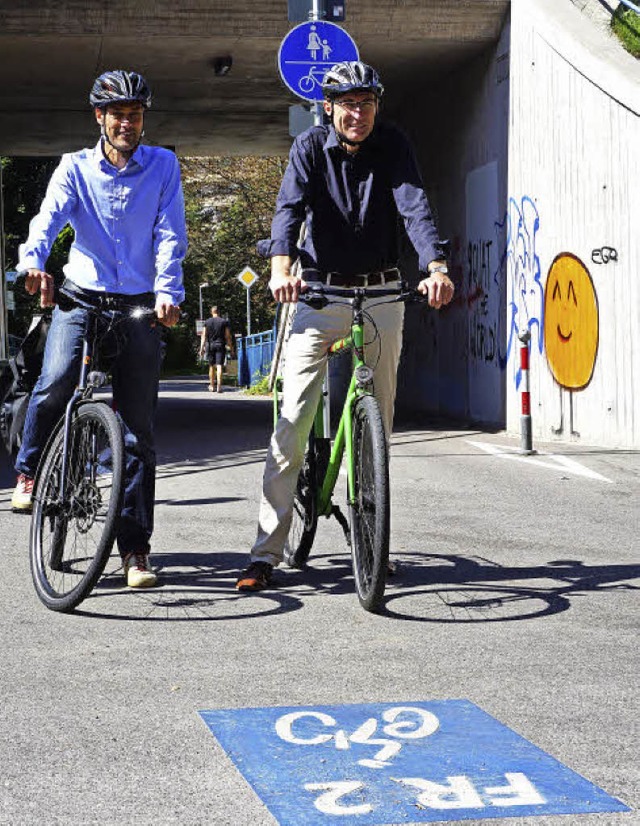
[
  {"x": 304, "y": 520},
  {"x": 370, "y": 504},
  {"x": 71, "y": 538}
]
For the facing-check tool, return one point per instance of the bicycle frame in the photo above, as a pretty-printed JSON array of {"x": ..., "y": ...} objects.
[
  {"x": 86, "y": 384},
  {"x": 343, "y": 441},
  {"x": 82, "y": 391}
]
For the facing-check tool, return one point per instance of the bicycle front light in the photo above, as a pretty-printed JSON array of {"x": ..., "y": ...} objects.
[
  {"x": 364, "y": 375},
  {"x": 96, "y": 378}
]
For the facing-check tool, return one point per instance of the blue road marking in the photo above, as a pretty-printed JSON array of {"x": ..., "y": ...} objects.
[{"x": 396, "y": 762}]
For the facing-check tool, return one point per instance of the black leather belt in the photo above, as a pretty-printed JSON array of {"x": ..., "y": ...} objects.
[
  {"x": 114, "y": 301},
  {"x": 337, "y": 279}
]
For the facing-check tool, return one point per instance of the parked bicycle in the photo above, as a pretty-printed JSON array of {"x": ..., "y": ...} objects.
[
  {"x": 361, "y": 436},
  {"x": 79, "y": 484}
]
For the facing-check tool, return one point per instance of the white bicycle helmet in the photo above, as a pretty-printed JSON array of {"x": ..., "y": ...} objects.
[{"x": 351, "y": 76}]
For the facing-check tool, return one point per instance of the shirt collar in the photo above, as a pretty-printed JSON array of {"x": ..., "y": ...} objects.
[
  {"x": 138, "y": 157},
  {"x": 332, "y": 140}
]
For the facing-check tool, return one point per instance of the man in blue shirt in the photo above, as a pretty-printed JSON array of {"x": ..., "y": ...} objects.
[
  {"x": 125, "y": 204},
  {"x": 346, "y": 184}
]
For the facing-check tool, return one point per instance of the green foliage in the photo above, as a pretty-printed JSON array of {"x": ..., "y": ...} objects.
[
  {"x": 259, "y": 388},
  {"x": 24, "y": 185},
  {"x": 626, "y": 24},
  {"x": 229, "y": 205}
]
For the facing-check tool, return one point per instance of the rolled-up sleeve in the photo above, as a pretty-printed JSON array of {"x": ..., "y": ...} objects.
[
  {"x": 290, "y": 205},
  {"x": 54, "y": 213},
  {"x": 170, "y": 238},
  {"x": 413, "y": 206}
]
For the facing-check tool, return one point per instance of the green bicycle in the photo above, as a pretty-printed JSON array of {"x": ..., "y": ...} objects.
[{"x": 360, "y": 434}]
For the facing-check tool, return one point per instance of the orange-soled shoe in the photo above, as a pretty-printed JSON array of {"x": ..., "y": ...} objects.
[{"x": 256, "y": 577}]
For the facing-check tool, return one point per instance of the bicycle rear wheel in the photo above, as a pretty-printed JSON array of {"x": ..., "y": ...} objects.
[
  {"x": 71, "y": 540},
  {"x": 304, "y": 520},
  {"x": 370, "y": 506}
]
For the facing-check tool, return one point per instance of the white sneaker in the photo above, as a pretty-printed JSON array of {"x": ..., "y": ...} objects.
[
  {"x": 21, "y": 501},
  {"x": 137, "y": 571}
]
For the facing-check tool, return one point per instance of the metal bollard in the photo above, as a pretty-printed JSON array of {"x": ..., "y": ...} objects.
[{"x": 526, "y": 445}]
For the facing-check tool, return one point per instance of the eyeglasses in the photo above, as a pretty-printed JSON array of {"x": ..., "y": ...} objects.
[
  {"x": 120, "y": 115},
  {"x": 352, "y": 106}
]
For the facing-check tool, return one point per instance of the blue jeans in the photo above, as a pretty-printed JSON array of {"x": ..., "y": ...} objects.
[{"x": 135, "y": 377}]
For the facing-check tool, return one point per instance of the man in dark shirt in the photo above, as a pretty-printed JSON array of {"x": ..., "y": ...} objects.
[
  {"x": 347, "y": 182},
  {"x": 215, "y": 335}
]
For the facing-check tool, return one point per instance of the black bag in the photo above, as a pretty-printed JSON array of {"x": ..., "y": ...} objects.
[{"x": 17, "y": 380}]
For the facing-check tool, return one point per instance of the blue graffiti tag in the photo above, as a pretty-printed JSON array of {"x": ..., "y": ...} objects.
[{"x": 525, "y": 296}]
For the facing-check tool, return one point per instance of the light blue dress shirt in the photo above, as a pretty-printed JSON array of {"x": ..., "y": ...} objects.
[{"x": 130, "y": 232}]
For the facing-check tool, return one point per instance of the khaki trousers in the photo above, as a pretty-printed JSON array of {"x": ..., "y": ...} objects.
[{"x": 312, "y": 333}]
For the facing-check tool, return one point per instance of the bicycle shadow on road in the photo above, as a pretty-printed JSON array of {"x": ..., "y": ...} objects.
[
  {"x": 444, "y": 588},
  {"x": 435, "y": 588},
  {"x": 193, "y": 586}
]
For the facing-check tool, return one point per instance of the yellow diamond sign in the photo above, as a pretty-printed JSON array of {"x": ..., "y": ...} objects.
[{"x": 247, "y": 277}]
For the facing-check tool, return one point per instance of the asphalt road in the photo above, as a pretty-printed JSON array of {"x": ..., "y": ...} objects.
[{"x": 517, "y": 591}]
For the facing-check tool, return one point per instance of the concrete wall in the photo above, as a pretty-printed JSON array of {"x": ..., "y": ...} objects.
[
  {"x": 573, "y": 254},
  {"x": 531, "y": 159}
]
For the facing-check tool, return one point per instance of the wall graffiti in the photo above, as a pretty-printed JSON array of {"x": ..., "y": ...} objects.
[
  {"x": 604, "y": 254},
  {"x": 484, "y": 293},
  {"x": 525, "y": 307},
  {"x": 483, "y": 332},
  {"x": 571, "y": 322}
]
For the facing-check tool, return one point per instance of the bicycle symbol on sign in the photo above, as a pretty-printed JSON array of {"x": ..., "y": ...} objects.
[
  {"x": 401, "y": 722},
  {"x": 314, "y": 78}
]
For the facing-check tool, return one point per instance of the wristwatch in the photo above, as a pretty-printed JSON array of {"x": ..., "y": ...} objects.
[{"x": 439, "y": 268}]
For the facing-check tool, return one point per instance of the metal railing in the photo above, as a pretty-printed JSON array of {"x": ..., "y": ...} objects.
[
  {"x": 631, "y": 6},
  {"x": 255, "y": 354}
]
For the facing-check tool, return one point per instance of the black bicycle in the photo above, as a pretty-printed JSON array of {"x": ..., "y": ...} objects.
[{"x": 79, "y": 484}]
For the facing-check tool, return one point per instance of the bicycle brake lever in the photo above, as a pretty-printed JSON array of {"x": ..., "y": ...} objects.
[{"x": 317, "y": 300}]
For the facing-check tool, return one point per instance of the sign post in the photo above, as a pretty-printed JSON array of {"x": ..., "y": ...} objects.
[
  {"x": 248, "y": 277},
  {"x": 307, "y": 52}
]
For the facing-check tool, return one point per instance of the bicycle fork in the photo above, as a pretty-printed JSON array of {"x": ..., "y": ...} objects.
[{"x": 78, "y": 394}]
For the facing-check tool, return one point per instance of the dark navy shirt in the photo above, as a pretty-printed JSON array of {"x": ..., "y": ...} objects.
[{"x": 351, "y": 203}]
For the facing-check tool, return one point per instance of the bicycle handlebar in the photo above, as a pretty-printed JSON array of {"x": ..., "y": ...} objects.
[{"x": 317, "y": 294}]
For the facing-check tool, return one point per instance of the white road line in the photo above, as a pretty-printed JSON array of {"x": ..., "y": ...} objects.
[{"x": 552, "y": 461}]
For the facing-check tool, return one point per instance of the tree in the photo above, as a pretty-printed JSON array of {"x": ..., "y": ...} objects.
[
  {"x": 24, "y": 185},
  {"x": 229, "y": 204}
]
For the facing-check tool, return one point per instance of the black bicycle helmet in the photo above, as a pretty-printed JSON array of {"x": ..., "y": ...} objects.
[
  {"x": 119, "y": 86},
  {"x": 351, "y": 76}
]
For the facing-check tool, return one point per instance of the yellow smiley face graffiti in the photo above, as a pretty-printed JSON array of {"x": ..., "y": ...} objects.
[{"x": 570, "y": 322}]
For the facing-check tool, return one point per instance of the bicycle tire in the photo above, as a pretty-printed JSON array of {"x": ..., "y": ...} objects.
[
  {"x": 370, "y": 508},
  {"x": 70, "y": 542},
  {"x": 304, "y": 519}
]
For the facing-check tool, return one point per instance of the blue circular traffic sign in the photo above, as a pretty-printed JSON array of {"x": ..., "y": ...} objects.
[{"x": 308, "y": 51}]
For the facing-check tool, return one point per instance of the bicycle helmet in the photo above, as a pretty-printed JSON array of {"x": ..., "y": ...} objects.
[
  {"x": 119, "y": 86},
  {"x": 351, "y": 76}
]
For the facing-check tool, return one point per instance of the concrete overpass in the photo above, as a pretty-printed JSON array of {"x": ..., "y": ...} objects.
[
  {"x": 50, "y": 51},
  {"x": 525, "y": 116}
]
